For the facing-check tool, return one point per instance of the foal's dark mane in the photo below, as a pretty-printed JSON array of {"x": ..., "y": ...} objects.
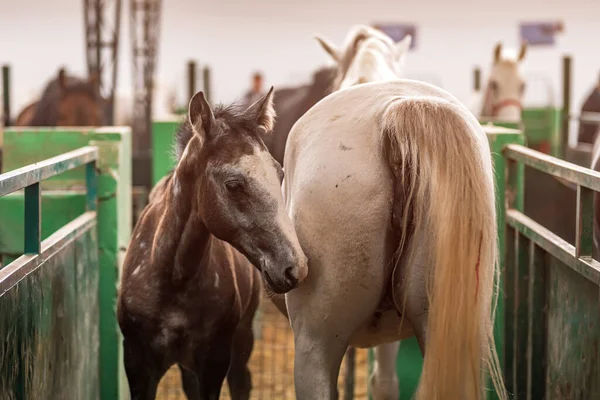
[
  {"x": 230, "y": 116},
  {"x": 46, "y": 110}
]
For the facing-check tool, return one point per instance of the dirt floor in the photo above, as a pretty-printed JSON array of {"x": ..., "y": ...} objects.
[{"x": 272, "y": 364}]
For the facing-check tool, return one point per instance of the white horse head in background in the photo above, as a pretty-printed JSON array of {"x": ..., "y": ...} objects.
[
  {"x": 368, "y": 55},
  {"x": 503, "y": 96}
]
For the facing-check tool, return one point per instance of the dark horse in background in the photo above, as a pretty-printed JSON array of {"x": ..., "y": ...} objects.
[
  {"x": 66, "y": 101},
  {"x": 292, "y": 103}
]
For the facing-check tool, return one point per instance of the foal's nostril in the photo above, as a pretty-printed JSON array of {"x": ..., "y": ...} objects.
[{"x": 291, "y": 275}]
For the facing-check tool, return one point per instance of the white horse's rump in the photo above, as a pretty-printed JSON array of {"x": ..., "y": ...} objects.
[{"x": 390, "y": 187}]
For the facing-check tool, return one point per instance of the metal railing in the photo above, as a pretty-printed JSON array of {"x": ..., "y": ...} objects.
[
  {"x": 532, "y": 252},
  {"x": 29, "y": 178}
]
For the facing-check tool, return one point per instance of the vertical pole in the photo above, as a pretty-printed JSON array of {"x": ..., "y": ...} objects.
[
  {"x": 33, "y": 214},
  {"x": 477, "y": 79},
  {"x": 206, "y": 83},
  {"x": 564, "y": 135},
  {"x": 584, "y": 242},
  {"x": 6, "y": 93},
  {"x": 191, "y": 79},
  {"x": 91, "y": 183}
]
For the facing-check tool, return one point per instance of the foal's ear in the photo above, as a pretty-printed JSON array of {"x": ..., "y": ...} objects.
[
  {"x": 263, "y": 113},
  {"x": 329, "y": 48},
  {"x": 497, "y": 52},
  {"x": 522, "y": 51},
  {"x": 200, "y": 115}
]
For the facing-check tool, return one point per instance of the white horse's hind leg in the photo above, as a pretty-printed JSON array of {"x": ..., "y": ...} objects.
[
  {"x": 324, "y": 315},
  {"x": 384, "y": 381}
]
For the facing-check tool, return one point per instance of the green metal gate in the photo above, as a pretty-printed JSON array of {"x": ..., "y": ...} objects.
[
  {"x": 48, "y": 297},
  {"x": 552, "y": 313},
  {"x": 63, "y": 200}
]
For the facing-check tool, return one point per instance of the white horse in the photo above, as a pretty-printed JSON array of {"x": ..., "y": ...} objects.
[
  {"x": 502, "y": 97},
  {"x": 390, "y": 186}
]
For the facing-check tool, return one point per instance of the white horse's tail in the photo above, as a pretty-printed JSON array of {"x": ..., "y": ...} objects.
[{"x": 444, "y": 188}]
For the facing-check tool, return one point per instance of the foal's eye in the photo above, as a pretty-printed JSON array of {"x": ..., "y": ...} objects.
[
  {"x": 234, "y": 186},
  {"x": 522, "y": 88}
]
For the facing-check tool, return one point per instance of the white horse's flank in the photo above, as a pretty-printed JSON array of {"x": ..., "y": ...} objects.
[
  {"x": 390, "y": 187},
  {"x": 502, "y": 98}
]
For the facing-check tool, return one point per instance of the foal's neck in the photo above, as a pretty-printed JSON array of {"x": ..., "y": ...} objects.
[{"x": 182, "y": 239}]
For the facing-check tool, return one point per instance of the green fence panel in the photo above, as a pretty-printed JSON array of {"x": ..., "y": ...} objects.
[
  {"x": 58, "y": 207},
  {"x": 542, "y": 128},
  {"x": 163, "y": 140},
  {"x": 556, "y": 292},
  {"x": 28, "y": 145},
  {"x": 49, "y": 324}
]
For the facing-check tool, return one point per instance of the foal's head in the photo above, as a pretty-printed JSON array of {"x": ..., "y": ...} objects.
[
  {"x": 506, "y": 86},
  {"x": 367, "y": 52},
  {"x": 237, "y": 186}
]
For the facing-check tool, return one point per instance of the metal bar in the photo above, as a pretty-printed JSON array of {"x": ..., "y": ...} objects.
[
  {"x": 509, "y": 273},
  {"x": 191, "y": 79},
  {"x": 28, "y": 175},
  {"x": 587, "y": 116},
  {"x": 477, "y": 79},
  {"x": 206, "y": 83},
  {"x": 564, "y": 134},
  {"x": 6, "y": 94},
  {"x": 554, "y": 166},
  {"x": 14, "y": 272},
  {"x": 521, "y": 314},
  {"x": 33, "y": 219},
  {"x": 584, "y": 242},
  {"x": 536, "y": 346},
  {"x": 555, "y": 245},
  {"x": 91, "y": 183}
]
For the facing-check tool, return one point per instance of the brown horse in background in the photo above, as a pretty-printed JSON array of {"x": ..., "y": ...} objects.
[
  {"x": 66, "y": 101},
  {"x": 291, "y": 103}
]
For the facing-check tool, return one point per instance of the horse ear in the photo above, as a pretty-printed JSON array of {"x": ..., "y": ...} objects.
[
  {"x": 497, "y": 52},
  {"x": 200, "y": 115},
  {"x": 403, "y": 46},
  {"x": 263, "y": 113},
  {"x": 62, "y": 78},
  {"x": 522, "y": 51},
  {"x": 329, "y": 48}
]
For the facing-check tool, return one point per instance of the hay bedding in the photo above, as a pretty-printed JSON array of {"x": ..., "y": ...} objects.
[{"x": 271, "y": 364}]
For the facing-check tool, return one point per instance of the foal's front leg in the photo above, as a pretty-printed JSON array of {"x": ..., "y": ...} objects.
[
  {"x": 144, "y": 369},
  {"x": 211, "y": 366}
]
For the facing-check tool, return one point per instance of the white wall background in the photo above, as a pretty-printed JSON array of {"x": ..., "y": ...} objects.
[{"x": 236, "y": 37}]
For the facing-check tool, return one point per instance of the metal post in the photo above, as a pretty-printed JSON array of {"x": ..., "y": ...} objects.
[
  {"x": 206, "y": 83},
  {"x": 191, "y": 79},
  {"x": 6, "y": 93},
  {"x": 91, "y": 183},
  {"x": 33, "y": 219},
  {"x": 564, "y": 134},
  {"x": 477, "y": 79}
]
